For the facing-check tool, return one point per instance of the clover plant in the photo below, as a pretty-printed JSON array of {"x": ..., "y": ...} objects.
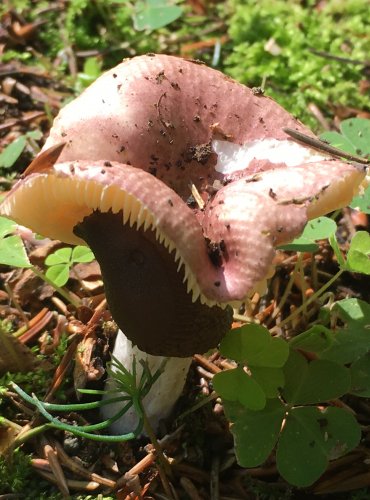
[
  {"x": 60, "y": 262},
  {"x": 276, "y": 398},
  {"x": 316, "y": 229},
  {"x": 354, "y": 138},
  {"x": 13, "y": 253}
]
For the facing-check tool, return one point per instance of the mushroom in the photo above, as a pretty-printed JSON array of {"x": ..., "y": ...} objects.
[{"x": 183, "y": 182}]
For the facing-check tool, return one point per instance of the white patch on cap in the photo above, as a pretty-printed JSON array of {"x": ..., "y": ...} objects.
[{"x": 232, "y": 157}]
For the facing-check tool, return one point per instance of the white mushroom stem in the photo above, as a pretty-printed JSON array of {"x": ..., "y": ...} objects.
[{"x": 159, "y": 402}]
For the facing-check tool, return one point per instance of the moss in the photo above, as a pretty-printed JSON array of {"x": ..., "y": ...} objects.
[
  {"x": 296, "y": 75},
  {"x": 15, "y": 471}
]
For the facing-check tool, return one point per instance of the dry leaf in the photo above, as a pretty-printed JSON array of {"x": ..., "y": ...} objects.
[
  {"x": 86, "y": 367},
  {"x": 15, "y": 356},
  {"x": 7, "y": 436},
  {"x": 45, "y": 160}
]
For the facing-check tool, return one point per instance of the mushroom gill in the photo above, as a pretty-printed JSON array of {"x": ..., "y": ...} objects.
[
  {"x": 225, "y": 251},
  {"x": 146, "y": 292}
]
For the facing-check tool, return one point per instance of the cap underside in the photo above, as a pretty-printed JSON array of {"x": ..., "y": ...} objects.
[
  {"x": 145, "y": 290},
  {"x": 63, "y": 202}
]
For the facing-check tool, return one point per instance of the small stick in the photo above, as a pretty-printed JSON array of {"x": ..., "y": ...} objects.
[
  {"x": 62, "y": 368},
  {"x": 71, "y": 483},
  {"x": 300, "y": 282},
  {"x": 284, "y": 297},
  {"x": 327, "y": 55},
  {"x": 205, "y": 373},
  {"x": 323, "y": 146},
  {"x": 244, "y": 319},
  {"x": 163, "y": 466},
  {"x": 36, "y": 327},
  {"x": 206, "y": 363},
  {"x": 311, "y": 299},
  {"x": 31, "y": 322},
  {"x": 267, "y": 311},
  {"x": 228, "y": 365},
  {"x": 196, "y": 196},
  {"x": 60, "y": 305},
  {"x": 55, "y": 466},
  {"x": 79, "y": 470},
  {"x": 142, "y": 465}
]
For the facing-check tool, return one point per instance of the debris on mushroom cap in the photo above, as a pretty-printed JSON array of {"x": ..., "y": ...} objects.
[
  {"x": 167, "y": 115},
  {"x": 181, "y": 124}
]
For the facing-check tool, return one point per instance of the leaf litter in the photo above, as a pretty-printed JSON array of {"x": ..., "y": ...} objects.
[{"x": 66, "y": 347}]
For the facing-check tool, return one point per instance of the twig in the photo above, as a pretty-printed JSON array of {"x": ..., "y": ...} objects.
[
  {"x": 60, "y": 305},
  {"x": 327, "y": 55},
  {"x": 267, "y": 311},
  {"x": 141, "y": 466},
  {"x": 244, "y": 319},
  {"x": 228, "y": 364},
  {"x": 56, "y": 468},
  {"x": 31, "y": 323},
  {"x": 323, "y": 146},
  {"x": 162, "y": 465},
  {"x": 62, "y": 368},
  {"x": 284, "y": 297},
  {"x": 205, "y": 373},
  {"x": 79, "y": 470},
  {"x": 196, "y": 196},
  {"x": 301, "y": 283},
  {"x": 314, "y": 273},
  {"x": 71, "y": 483},
  {"x": 19, "y": 405},
  {"x": 206, "y": 363},
  {"x": 313, "y": 297},
  {"x": 40, "y": 323}
]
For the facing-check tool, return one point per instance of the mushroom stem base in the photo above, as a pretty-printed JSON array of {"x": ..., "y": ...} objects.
[{"x": 162, "y": 397}]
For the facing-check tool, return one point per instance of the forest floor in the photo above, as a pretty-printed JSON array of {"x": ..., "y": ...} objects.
[{"x": 52, "y": 344}]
